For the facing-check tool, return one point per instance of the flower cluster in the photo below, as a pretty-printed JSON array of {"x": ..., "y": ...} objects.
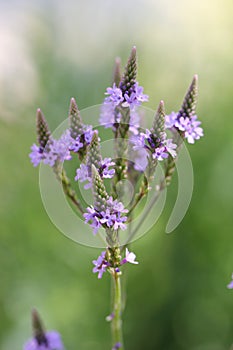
[
  {"x": 55, "y": 150},
  {"x": 125, "y": 93},
  {"x": 189, "y": 126},
  {"x": 83, "y": 173},
  {"x": 101, "y": 264},
  {"x": 113, "y": 216},
  {"x": 131, "y": 98},
  {"x": 60, "y": 150},
  {"x": 160, "y": 148},
  {"x": 144, "y": 148}
]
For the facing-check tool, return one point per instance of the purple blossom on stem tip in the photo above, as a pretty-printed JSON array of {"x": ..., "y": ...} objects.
[
  {"x": 136, "y": 97},
  {"x": 52, "y": 341},
  {"x": 189, "y": 126},
  {"x": 76, "y": 144},
  {"x": 114, "y": 95}
]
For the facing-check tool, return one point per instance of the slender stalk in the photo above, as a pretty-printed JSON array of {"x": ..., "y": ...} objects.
[
  {"x": 68, "y": 190},
  {"x": 70, "y": 193},
  {"x": 117, "y": 337}
]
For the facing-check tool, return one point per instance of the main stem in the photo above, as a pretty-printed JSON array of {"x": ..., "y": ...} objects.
[{"x": 117, "y": 338}]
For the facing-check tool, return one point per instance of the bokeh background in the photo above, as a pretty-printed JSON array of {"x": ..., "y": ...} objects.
[{"x": 52, "y": 50}]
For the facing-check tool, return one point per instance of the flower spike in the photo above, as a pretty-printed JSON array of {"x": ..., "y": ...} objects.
[
  {"x": 76, "y": 124},
  {"x": 93, "y": 154},
  {"x": 190, "y": 100},
  {"x": 158, "y": 127},
  {"x": 129, "y": 79},
  {"x": 99, "y": 191},
  {"x": 43, "y": 132}
]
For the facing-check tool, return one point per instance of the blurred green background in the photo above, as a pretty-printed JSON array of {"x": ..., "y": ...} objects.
[{"x": 52, "y": 50}]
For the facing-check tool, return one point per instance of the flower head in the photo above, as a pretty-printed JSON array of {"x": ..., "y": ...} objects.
[
  {"x": 114, "y": 95},
  {"x": 92, "y": 217},
  {"x": 112, "y": 216},
  {"x": 190, "y": 127},
  {"x": 136, "y": 97},
  {"x": 36, "y": 155}
]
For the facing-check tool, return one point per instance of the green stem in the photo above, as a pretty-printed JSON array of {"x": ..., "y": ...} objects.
[
  {"x": 67, "y": 188},
  {"x": 117, "y": 338}
]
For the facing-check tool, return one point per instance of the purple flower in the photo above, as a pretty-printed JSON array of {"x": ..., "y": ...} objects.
[
  {"x": 170, "y": 120},
  {"x": 134, "y": 122},
  {"x": 61, "y": 147},
  {"x": 116, "y": 206},
  {"x": 140, "y": 159},
  {"x": 88, "y": 133},
  {"x": 160, "y": 153},
  {"x": 100, "y": 264},
  {"x": 55, "y": 150},
  {"x": 107, "y": 218},
  {"x": 107, "y": 115},
  {"x": 129, "y": 258},
  {"x": 104, "y": 170},
  {"x": 114, "y": 95},
  {"x": 135, "y": 98},
  {"x": 92, "y": 216},
  {"x": 170, "y": 147},
  {"x": 189, "y": 126},
  {"x": 139, "y": 93},
  {"x": 50, "y": 341},
  {"x": 138, "y": 141},
  {"x": 36, "y": 155},
  {"x": 110, "y": 217},
  {"x": 159, "y": 147},
  {"x": 82, "y": 174},
  {"x": 230, "y": 285},
  {"x": 193, "y": 131},
  {"x": 76, "y": 144},
  {"x": 119, "y": 222}
]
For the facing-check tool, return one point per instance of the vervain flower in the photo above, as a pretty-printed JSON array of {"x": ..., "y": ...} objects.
[
  {"x": 100, "y": 264},
  {"x": 112, "y": 216},
  {"x": 189, "y": 126}
]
